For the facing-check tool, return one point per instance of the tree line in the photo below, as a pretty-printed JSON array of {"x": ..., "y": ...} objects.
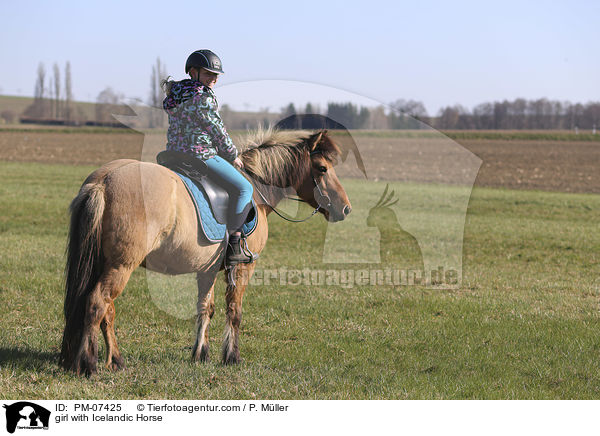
[
  {"x": 401, "y": 114},
  {"x": 519, "y": 114},
  {"x": 54, "y": 101},
  {"x": 52, "y": 98}
]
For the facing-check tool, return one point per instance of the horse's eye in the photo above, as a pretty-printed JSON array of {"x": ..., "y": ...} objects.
[{"x": 323, "y": 169}]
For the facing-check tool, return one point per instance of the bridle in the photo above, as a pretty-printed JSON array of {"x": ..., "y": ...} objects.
[
  {"x": 322, "y": 199},
  {"x": 319, "y": 205}
]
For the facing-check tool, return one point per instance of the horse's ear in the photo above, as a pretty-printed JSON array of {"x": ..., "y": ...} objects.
[{"x": 315, "y": 139}]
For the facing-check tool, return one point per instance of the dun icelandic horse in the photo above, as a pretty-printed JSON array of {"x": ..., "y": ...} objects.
[{"x": 119, "y": 223}]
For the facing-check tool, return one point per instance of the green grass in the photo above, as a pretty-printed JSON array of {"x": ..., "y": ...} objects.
[{"x": 524, "y": 323}]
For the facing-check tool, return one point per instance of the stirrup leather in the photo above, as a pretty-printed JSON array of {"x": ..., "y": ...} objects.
[{"x": 246, "y": 250}]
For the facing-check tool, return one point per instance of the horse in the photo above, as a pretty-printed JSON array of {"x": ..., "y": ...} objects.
[{"x": 130, "y": 213}]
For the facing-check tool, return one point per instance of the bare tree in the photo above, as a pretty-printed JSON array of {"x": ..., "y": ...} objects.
[
  {"x": 378, "y": 119},
  {"x": 107, "y": 103},
  {"x": 591, "y": 116},
  {"x": 517, "y": 111},
  {"x": 38, "y": 108},
  {"x": 415, "y": 109},
  {"x": 448, "y": 118},
  {"x": 501, "y": 115},
  {"x": 574, "y": 115},
  {"x": 50, "y": 98},
  {"x": 405, "y": 114},
  {"x": 68, "y": 92},
  {"x": 157, "y": 118},
  {"x": 39, "y": 84},
  {"x": 484, "y": 116},
  {"x": 57, "y": 113}
]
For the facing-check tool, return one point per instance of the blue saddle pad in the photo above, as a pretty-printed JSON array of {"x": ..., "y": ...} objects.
[{"x": 213, "y": 230}]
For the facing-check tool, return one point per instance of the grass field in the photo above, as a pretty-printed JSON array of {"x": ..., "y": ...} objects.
[{"x": 523, "y": 324}]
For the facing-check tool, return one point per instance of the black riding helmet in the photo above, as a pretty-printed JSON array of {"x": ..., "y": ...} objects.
[{"x": 204, "y": 59}]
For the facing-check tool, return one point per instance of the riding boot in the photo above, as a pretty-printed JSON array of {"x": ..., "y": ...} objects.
[{"x": 238, "y": 252}]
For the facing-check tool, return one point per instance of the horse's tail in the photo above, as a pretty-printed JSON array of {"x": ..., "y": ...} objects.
[{"x": 84, "y": 265}]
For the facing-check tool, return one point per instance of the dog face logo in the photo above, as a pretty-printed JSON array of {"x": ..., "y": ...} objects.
[{"x": 26, "y": 415}]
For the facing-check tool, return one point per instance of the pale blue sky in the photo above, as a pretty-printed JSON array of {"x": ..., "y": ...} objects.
[{"x": 440, "y": 53}]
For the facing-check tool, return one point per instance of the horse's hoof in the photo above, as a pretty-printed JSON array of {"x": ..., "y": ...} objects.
[
  {"x": 232, "y": 359},
  {"x": 82, "y": 365},
  {"x": 86, "y": 368},
  {"x": 201, "y": 356},
  {"x": 204, "y": 354},
  {"x": 116, "y": 364}
]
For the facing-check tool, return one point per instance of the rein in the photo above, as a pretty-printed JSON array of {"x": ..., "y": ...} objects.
[{"x": 274, "y": 209}]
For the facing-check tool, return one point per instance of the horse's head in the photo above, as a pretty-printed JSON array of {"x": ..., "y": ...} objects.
[{"x": 321, "y": 188}]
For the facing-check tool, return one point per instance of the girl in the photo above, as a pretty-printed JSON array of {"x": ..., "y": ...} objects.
[{"x": 195, "y": 127}]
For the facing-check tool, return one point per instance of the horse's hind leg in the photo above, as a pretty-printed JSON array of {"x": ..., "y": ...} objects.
[
  {"x": 114, "y": 360},
  {"x": 111, "y": 284},
  {"x": 206, "y": 310}
]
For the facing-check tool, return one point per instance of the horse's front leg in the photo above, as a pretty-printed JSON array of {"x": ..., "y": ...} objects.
[
  {"x": 233, "y": 300},
  {"x": 206, "y": 310}
]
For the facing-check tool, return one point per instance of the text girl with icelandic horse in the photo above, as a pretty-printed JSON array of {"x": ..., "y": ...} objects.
[{"x": 196, "y": 128}]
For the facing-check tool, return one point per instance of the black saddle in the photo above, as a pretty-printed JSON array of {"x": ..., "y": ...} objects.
[{"x": 197, "y": 170}]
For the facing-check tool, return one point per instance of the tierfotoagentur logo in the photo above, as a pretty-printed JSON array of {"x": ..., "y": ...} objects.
[
  {"x": 26, "y": 416},
  {"x": 349, "y": 278},
  {"x": 409, "y": 191}
]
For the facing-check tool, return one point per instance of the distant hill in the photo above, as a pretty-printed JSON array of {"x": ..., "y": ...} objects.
[
  {"x": 18, "y": 105},
  {"x": 14, "y": 103},
  {"x": 87, "y": 112}
]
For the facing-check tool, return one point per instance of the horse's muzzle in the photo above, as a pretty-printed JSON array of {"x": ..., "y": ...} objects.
[{"x": 335, "y": 215}]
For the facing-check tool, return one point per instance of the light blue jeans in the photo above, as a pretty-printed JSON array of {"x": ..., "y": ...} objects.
[{"x": 239, "y": 190}]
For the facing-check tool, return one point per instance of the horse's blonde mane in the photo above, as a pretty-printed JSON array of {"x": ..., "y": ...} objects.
[
  {"x": 272, "y": 155},
  {"x": 272, "y": 136}
]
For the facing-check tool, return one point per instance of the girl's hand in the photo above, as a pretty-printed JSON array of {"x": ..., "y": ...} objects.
[{"x": 238, "y": 163}]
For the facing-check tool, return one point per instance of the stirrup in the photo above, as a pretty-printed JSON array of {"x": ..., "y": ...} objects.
[
  {"x": 246, "y": 250},
  {"x": 244, "y": 255}
]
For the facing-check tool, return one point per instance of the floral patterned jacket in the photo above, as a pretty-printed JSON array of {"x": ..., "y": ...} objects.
[{"x": 194, "y": 123}]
